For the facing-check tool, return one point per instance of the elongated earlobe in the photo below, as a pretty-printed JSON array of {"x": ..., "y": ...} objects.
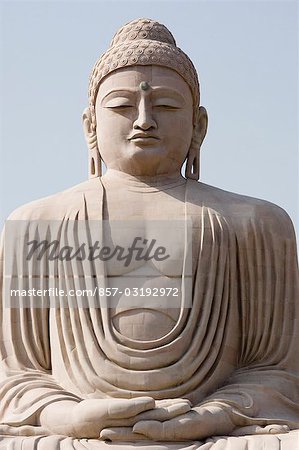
[
  {"x": 94, "y": 159},
  {"x": 199, "y": 131},
  {"x": 192, "y": 167}
]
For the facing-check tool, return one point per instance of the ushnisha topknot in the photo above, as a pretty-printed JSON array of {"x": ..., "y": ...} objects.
[{"x": 143, "y": 42}]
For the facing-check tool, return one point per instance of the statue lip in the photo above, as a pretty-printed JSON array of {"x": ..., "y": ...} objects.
[{"x": 143, "y": 136}]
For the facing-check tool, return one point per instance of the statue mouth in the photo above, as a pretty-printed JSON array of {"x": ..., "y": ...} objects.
[{"x": 143, "y": 137}]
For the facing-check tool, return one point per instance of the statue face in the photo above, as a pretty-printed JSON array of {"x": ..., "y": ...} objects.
[{"x": 144, "y": 120}]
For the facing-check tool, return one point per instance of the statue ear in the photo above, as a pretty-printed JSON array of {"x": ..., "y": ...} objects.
[
  {"x": 94, "y": 163},
  {"x": 199, "y": 133}
]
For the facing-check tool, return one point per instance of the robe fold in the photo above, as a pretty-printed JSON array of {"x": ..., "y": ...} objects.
[{"x": 236, "y": 347}]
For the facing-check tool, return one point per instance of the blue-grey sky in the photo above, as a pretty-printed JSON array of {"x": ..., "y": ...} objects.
[{"x": 246, "y": 53}]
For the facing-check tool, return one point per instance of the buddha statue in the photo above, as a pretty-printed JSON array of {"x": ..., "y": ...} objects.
[{"x": 211, "y": 366}]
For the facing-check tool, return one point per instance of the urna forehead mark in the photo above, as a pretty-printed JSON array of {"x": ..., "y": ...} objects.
[{"x": 144, "y": 85}]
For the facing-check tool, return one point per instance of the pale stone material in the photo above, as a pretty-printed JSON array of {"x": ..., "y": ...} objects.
[{"x": 222, "y": 374}]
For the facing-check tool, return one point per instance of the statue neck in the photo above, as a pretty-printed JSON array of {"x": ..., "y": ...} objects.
[{"x": 158, "y": 182}]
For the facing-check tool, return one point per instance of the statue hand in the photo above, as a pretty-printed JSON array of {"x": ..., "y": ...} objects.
[
  {"x": 164, "y": 410},
  {"x": 199, "y": 423},
  {"x": 87, "y": 418}
]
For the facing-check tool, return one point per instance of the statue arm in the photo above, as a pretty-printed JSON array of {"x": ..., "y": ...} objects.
[
  {"x": 265, "y": 387},
  {"x": 26, "y": 382}
]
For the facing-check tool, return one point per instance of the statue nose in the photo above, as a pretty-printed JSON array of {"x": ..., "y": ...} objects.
[{"x": 144, "y": 120}]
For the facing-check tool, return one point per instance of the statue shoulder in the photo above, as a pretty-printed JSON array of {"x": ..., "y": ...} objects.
[
  {"x": 53, "y": 207},
  {"x": 241, "y": 209}
]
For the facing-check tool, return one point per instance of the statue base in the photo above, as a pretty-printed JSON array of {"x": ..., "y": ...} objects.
[{"x": 288, "y": 441}]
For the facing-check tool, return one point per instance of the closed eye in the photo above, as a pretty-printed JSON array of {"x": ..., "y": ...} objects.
[
  {"x": 120, "y": 106},
  {"x": 169, "y": 107},
  {"x": 119, "y": 102}
]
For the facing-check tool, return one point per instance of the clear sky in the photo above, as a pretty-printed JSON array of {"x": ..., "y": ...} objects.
[{"x": 246, "y": 53}]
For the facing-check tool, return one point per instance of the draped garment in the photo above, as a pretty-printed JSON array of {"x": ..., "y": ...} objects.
[{"x": 237, "y": 345}]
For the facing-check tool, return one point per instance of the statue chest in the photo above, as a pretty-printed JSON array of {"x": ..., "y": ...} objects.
[{"x": 145, "y": 272}]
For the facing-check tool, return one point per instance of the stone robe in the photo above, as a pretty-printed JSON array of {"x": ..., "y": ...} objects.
[{"x": 237, "y": 346}]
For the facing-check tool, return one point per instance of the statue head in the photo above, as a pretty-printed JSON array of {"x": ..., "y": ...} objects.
[{"x": 144, "y": 102}]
